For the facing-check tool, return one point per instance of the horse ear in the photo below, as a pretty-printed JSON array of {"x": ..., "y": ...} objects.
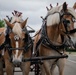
[
  {"x": 64, "y": 7},
  {"x": 24, "y": 23},
  {"x": 74, "y": 6},
  {"x": 8, "y": 23}
]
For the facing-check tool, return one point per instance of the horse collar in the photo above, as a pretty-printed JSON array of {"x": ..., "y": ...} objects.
[{"x": 47, "y": 43}]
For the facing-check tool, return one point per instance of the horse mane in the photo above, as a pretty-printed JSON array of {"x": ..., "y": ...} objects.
[
  {"x": 17, "y": 29},
  {"x": 54, "y": 18},
  {"x": 72, "y": 11},
  {"x": 54, "y": 9}
]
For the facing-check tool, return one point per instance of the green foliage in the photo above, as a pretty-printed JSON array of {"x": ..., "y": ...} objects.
[
  {"x": 2, "y": 23},
  {"x": 70, "y": 50}
]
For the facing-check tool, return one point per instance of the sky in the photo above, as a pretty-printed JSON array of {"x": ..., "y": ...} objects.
[{"x": 32, "y": 9}]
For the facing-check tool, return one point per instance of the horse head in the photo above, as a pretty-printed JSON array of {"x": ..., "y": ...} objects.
[
  {"x": 63, "y": 18},
  {"x": 17, "y": 37},
  {"x": 68, "y": 19}
]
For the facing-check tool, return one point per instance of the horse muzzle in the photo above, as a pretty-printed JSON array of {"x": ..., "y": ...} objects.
[{"x": 16, "y": 63}]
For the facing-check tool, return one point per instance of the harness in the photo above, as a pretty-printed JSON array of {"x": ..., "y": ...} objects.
[
  {"x": 1, "y": 47},
  {"x": 27, "y": 40},
  {"x": 4, "y": 44},
  {"x": 45, "y": 41},
  {"x": 7, "y": 44}
]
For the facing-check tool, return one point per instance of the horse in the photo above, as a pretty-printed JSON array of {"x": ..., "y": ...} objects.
[
  {"x": 50, "y": 39},
  {"x": 2, "y": 39},
  {"x": 19, "y": 46}
]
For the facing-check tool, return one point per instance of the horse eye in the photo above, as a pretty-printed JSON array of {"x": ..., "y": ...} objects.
[{"x": 68, "y": 21}]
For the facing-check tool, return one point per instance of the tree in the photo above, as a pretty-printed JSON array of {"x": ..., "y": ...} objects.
[{"x": 2, "y": 23}]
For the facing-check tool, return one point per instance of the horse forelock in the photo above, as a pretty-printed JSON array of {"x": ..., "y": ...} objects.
[
  {"x": 72, "y": 11},
  {"x": 54, "y": 17},
  {"x": 17, "y": 29}
]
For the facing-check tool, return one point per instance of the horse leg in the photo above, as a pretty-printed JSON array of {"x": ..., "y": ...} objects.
[
  {"x": 52, "y": 69},
  {"x": 25, "y": 68},
  {"x": 1, "y": 67},
  {"x": 47, "y": 65},
  {"x": 9, "y": 67},
  {"x": 42, "y": 70},
  {"x": 61, "y": 64}
]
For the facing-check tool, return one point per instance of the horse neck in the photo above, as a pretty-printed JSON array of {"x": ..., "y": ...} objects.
[{"x": 53, "y": 32}]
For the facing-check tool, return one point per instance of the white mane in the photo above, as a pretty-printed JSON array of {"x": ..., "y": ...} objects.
[
  {"x": 17, "y": 29},
  {"x": 54, "y": 18},
  {"x": 54, "y": 9},
  {"x": 72, "y": 11}
]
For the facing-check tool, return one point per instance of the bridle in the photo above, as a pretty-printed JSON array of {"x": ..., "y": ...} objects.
[
  {"x": 27, "y": 41},
  {"x": 64, "y": 21}
]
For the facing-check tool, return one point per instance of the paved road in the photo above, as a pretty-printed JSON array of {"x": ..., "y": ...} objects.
[{"x": 70, "y": 68}]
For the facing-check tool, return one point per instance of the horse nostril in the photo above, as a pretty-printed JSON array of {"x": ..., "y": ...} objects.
[{"x": 17, "y": 63}]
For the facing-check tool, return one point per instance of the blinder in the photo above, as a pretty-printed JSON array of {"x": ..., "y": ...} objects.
[{"x": 65, "y": 21}]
